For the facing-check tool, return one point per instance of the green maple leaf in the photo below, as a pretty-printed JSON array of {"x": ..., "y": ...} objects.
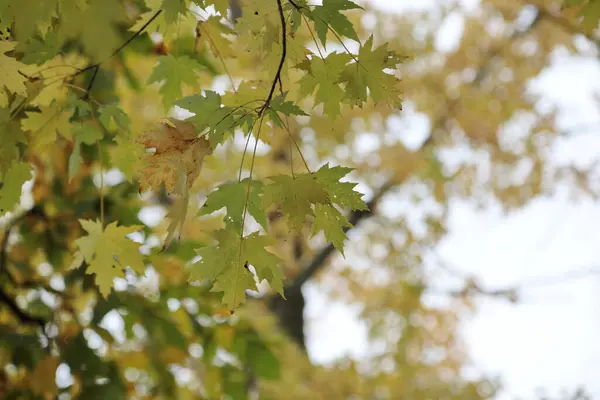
[
  {"x": 221, "y": 6},
  {"x": 332, "y": 222},
  {"x": 108, "y": 251},
  {"x": 172, "y": 9},
  {"x": 29, "y": 16},
  {"x": 46, "y": 124},
  {"x": 10, "y": 78},
  {"x": 328, "y": 16},
  {"x": 278, "y": 105},
  {"x": 340, "y": 193},
  {"x": 10, "y": 136},
  {"x": 87, "y": 132},
  {"x": 39, "y": 50},
  {"x": 12, "y": 182},
  {"x": 325, "y": 75},
  {"x": 369, "y": 73},
  {"x": 211, "y": 116},
  {"x": 295, "y": 196},
  {"x": 93, "y": 24},
  {"x": 174, "y": 72},
  {"x": 113, "y": 118},
  {"x": 225, "y": 265},
  {"x": 232, "y": 196},
  {"x": 212, "y": 31}
]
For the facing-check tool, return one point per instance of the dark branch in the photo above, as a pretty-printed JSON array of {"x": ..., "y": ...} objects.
[
  {"x": 277, "y": 77},
  {"x": 22, "y": 315}
]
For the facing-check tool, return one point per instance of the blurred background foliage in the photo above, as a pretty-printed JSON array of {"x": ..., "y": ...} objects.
[{"x": 158, "y": 337}]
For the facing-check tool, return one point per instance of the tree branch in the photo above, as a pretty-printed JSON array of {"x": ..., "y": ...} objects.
[
  {"x": 96, "y": 66},
  {"x": 277, "y": 77}
]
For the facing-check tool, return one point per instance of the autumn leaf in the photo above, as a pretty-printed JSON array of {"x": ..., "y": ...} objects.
[
  {"x": 212, "y": 32},
  {"x": 10, "y": 78},
  {"x": 368, "y": 75},
  {"x": 43, "y": 380},
  {"x": 177, "y": 149},
  {"x": 45, "y": 125},
  {"x": 108, "y": 251}
]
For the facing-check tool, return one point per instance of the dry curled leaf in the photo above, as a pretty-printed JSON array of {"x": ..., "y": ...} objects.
[{"x": 177, "y": 150}]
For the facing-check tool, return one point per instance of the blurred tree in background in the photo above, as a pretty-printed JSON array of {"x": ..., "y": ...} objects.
[{"x": 83, "y": 82}]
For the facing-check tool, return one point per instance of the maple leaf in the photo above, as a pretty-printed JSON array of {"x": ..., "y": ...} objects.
[
  {"x": 369, "y": 73},
  {"x": 278, "y": 105},
  {"x": 45, "y": 125},
  {"x": 172, "y": 9},
  {"x": 10, "y": 78},
  {"x": 108, "y": 251},
  {"x": 212, "y": 31},
  {"x": 295, "y": 196},
  {"x": 174, "y": 72},
  {"x": 225, "y": 265},
  {"x": 325, "y": 75},
  {"x": 40, "y": 50},
  {"x": 332, "y": 222},
  {"x": 113, "y": 118},
  {"x": 232, "y": 196},
  {"x": 29, "y": 16},
  {"x": 221, "y": 6},
  {"x": 178, "y": 150},
  {"x": 128, "y": 156},
  {"x": 87, "y": 132},
  {"x": 12, "y": 182},
  {"x": 184, "y": 21},
  {"x": 328, "y": 16},
  {"x": 50, "y": 87},
  {"x": 341, "y": 193},
  {"x": 211, "y": 116},
  {"x": 10, "y": 136},
  {"x": 93, "y": 24}
]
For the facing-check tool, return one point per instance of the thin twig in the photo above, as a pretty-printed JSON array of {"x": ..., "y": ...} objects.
[
  {"x": 97, "y": 65},
  {"x": 281, "y": 60}
]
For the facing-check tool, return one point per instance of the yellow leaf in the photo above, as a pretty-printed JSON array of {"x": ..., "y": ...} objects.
[
  {"x": 43, "y": 378},
  {"x": 45, "y": 125},
  {"x": 172, "y": 355},
  {"x": 212, "y": 31},
  {"x": 108, "y": 251},
  {"x": 49, "y": 88},
  {"x": 10, "y": 78}
]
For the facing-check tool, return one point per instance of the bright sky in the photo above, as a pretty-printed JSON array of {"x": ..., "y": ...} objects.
[{"x": 550, "y": 339}]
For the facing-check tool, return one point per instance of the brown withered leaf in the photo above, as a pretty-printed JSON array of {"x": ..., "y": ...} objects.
[{"x": 177, "y": 150}]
